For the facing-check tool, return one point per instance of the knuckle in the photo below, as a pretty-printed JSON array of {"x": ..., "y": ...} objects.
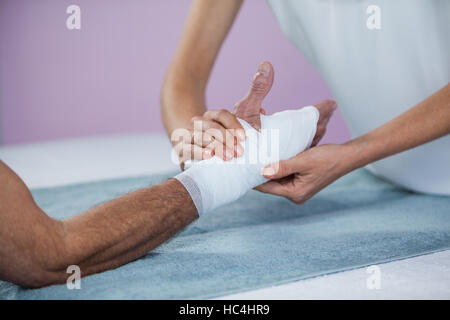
[
  {"x": 296, "y": 198},
  {"x": 195, "y": 122},
  {"x": 292, "y": 195},
  {"x": 221, "y": 113},
  {"x": 212, "y": 125},
  {"x": 214, "y": 131},
  {"x": 300, "y": 197},
  {"x": 291, "y": 199},
  {"x": 259, "y": 87},
  {"x": 300, "y": 194}
]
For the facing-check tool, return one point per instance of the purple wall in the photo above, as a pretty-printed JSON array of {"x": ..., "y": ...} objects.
[{"x": 106, "y": 78}]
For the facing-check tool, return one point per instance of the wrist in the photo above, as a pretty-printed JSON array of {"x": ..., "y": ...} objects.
[
  {"x": 178, "y": 108},
  {"x": 356, "y": 154}
]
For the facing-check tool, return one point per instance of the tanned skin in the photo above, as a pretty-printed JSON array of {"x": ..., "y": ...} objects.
[{"x": 35, "y": 249}]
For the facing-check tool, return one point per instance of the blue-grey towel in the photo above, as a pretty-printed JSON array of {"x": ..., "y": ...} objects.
[{"x": 258, "y": 241}]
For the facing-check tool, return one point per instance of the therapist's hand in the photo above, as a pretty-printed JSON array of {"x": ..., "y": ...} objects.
[
  {"x": 217, "y": 132},
  {"x": 301, "y": 177}
]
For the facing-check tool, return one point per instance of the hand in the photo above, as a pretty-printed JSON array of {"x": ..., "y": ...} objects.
[
  {"x": 301, "y": 177},
  {"x": 217, "y": 132}
]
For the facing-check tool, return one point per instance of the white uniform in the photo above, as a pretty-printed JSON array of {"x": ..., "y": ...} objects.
[{"x": 377, "y": 74}]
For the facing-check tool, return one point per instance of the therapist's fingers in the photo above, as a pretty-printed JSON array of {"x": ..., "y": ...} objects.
[
  {"x": 286, "y": 179},
  {"x": 188, "y": 152},
  {"x": 283, "y": 169},
  {"x": 224, "y": 137},
  {"x": 228, "y": 121},
  {"x": 217, "y": 129},
  {"x": 261, "y": 85},
  {"x": 249, "y": 108},
  {"x": 222, "y": 152},
  {"x": 304, "y": 175},
  {"x": 276, "y": 188},
  {"x": 202, "y": 138}
]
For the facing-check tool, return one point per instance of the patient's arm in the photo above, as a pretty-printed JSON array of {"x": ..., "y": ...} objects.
[{"x": 35, "y": 250}]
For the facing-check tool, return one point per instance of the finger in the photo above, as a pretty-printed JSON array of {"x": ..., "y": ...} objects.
[
  {"x": 202, "y": 138},
  {"x": 188, "y": 152},
  {"x": 275, "y": 188},
  {"x": 219, "y": 150},
  {"x": 261, "y": 84},
  {"x": 220, "y": 134},
  {"x": 228, "y": 121},
  {"x": 282, "y": 169},
  {"x": 213, "y": 129},
  {"x": 249, "y": 107}
]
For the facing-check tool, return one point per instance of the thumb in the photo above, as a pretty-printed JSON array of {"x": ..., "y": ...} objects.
[
  {"x": 281, "y": 169},
  {"x": 249, "y": 107},
  {"x": 261, "y": 84}
]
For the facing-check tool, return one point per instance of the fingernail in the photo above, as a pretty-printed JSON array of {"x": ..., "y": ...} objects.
[
  {"x": 264, "y": 68},
  {"x": 256, "y": 75},
  {"x": 268, "y": 172},
  {"x": 241, "y": 134}
]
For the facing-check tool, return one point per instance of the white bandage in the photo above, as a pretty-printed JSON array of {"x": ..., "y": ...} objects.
[{"x": 214, "y": 182}]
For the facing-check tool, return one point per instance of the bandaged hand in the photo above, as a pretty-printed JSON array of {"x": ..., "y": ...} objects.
[
  {"x": 213, "y": 182},
  {"x": 269, "y": 139}
]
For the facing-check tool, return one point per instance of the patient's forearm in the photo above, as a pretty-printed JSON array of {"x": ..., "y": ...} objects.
[
  {"x": 213, "y": 183},
  {"x": 35, "y": 250},
  {"x": 427, "y": 121},
  {"x": 125, "y": 228}
]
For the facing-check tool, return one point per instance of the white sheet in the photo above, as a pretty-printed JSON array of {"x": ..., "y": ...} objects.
[
  {"x": 48, "y": 164},
  {"x": 87, "y": 159}
]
